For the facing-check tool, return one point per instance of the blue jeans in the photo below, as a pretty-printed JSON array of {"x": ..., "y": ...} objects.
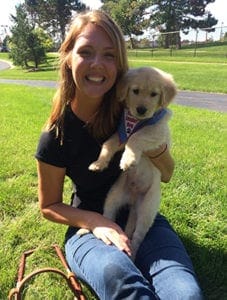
[{"x": 162, "y": 269}]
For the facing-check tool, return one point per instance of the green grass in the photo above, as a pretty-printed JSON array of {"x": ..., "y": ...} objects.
[
  {"x": 47, "y": 71},
  {"x": 205, "y": 73},
  {"x": 201, "y": 53},
  {"x": 23, "y": 111},
  {"x": 194, "y": 201},
  {"x": 192, "y": 76}
]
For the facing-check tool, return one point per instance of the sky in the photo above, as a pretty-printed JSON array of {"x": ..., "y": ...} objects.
[{"x": 218, "y": 9}]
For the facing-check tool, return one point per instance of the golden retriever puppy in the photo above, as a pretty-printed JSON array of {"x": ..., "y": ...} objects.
[{"x": 146, "y": 93}]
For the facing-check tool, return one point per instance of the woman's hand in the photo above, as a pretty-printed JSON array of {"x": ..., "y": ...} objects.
[
  {"x": 163, "y": 160},
  {"x": 110, "y": 233},
  {"x": 51, "y": 181}
]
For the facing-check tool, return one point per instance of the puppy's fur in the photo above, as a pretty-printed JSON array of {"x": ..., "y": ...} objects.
[{"x": 139, "y": 184}]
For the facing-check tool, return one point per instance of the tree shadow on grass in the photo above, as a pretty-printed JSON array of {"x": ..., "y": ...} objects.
[
  {"x": 211, "y": 268},
  {"x": 41, "y": 69}
]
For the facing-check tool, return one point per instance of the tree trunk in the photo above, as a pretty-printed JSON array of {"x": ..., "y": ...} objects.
[
  {"x": 178, "y": 41},
  {"x": 132, "y": 42}
]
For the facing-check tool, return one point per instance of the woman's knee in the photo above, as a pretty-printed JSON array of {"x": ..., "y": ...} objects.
[
  {"x": 177, "y": 283},
  {"x": 124, "y": 281},
  {"x": 110, "y": 272},
  {"x": 186, "y": 289}
]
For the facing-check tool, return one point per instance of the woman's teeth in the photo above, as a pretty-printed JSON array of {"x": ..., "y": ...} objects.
[{"x": 95, "y": 79}]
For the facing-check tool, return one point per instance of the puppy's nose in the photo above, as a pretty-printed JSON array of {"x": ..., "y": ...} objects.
[{"x": 141, "y": 110}]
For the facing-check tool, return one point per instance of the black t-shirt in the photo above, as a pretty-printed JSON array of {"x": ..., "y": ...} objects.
[{"x": 78, "y": 151}]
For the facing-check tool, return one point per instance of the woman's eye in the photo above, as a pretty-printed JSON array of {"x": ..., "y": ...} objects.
[
  {"x": 84, "y": 53},
  {"x": 136, "y": 91},
  {"x": 109, "y": 55}
]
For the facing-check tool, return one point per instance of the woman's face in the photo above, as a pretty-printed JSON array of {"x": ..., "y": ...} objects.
[{"x": 93, "y": 63}]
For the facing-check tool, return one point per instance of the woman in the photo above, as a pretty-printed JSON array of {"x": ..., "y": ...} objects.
[{"x": 84, "y": 114}]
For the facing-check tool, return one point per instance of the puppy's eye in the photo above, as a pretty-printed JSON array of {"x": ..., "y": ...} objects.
[
  {"x": 136, "y": 91},
  {"x": 153, "y": 94}
]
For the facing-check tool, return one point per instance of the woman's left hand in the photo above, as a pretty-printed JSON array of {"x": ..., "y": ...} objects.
[{"x": 163, "y": 160}]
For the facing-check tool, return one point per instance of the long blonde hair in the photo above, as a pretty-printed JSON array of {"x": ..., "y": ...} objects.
[{"x": 104, "y": 123}]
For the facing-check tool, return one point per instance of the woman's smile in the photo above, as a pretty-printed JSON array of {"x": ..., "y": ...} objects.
[
  {"x": 95, "y": 79},
  {"x": 93, "y": 64}
]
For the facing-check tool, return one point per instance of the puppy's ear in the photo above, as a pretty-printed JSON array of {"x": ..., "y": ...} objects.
[
  {"x": 169, "y": 90},
  {"x": 122, "y": 88}
]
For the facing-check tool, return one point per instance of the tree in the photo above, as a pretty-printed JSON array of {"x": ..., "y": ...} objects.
[
  {"x": 25, "y": 43},
  {"x": 176, "y": 15},
  {"x": 130, "y": 15},
  {"x": 5, "y": 44},
  {"x": 53, "y": 15},
  {"x": 207, "y": 24},
  {"x": 224, "y": 39}
]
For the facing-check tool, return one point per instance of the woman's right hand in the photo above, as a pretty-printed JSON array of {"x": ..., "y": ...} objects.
[
  {"x": 51, "y": 180},
  {"x": 110, "y": 233}
]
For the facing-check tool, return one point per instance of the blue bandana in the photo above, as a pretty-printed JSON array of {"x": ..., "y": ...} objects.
[{"x": 129, "y": 124}]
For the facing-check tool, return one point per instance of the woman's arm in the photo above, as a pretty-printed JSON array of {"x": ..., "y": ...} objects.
[
  {"x": 163, "y": 160},
  {"x": 50, "y": 191}
]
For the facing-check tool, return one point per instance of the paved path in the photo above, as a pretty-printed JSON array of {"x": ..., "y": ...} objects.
[
  {"x": 36, "y": 83},
  {"x": 4, "y": 65},
  {"x": 211, "y": 101}
]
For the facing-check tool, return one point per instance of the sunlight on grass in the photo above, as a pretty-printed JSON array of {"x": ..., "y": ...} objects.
[
  {"x": 201, "y": 73},
  {"x": 194, "y": 201}
]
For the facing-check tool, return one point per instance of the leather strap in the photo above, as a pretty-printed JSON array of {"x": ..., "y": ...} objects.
[{"x": 69, "y": 276}]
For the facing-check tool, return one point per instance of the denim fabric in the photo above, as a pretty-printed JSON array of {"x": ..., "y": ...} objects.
[{"x": 162, "y": 270}]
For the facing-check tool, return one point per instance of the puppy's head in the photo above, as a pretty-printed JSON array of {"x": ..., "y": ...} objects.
[{"x": 145, "y": 90}]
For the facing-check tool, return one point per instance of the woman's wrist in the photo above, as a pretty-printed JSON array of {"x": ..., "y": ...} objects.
[
  {"x": 163, "y": 160},
  {"x": 159, "y": 152}
]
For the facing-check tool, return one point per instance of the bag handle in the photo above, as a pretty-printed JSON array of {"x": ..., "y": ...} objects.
[{"x": 70, "y": 277}]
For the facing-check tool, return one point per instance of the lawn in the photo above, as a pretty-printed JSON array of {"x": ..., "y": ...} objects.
[
  {"x": 194, "y": 201},
  {"x": 203, "y": 73},
  {"x": 199, "y": 54}
]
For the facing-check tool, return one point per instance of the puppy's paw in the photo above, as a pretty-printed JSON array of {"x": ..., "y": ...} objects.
[
  {"x": 82, "y": 231},
  {"x": 98, "y": 165},
  {"x": 127, "y": 161}
]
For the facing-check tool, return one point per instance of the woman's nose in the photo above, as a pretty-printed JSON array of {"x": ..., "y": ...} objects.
[{"x": 96, "y": 61}]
